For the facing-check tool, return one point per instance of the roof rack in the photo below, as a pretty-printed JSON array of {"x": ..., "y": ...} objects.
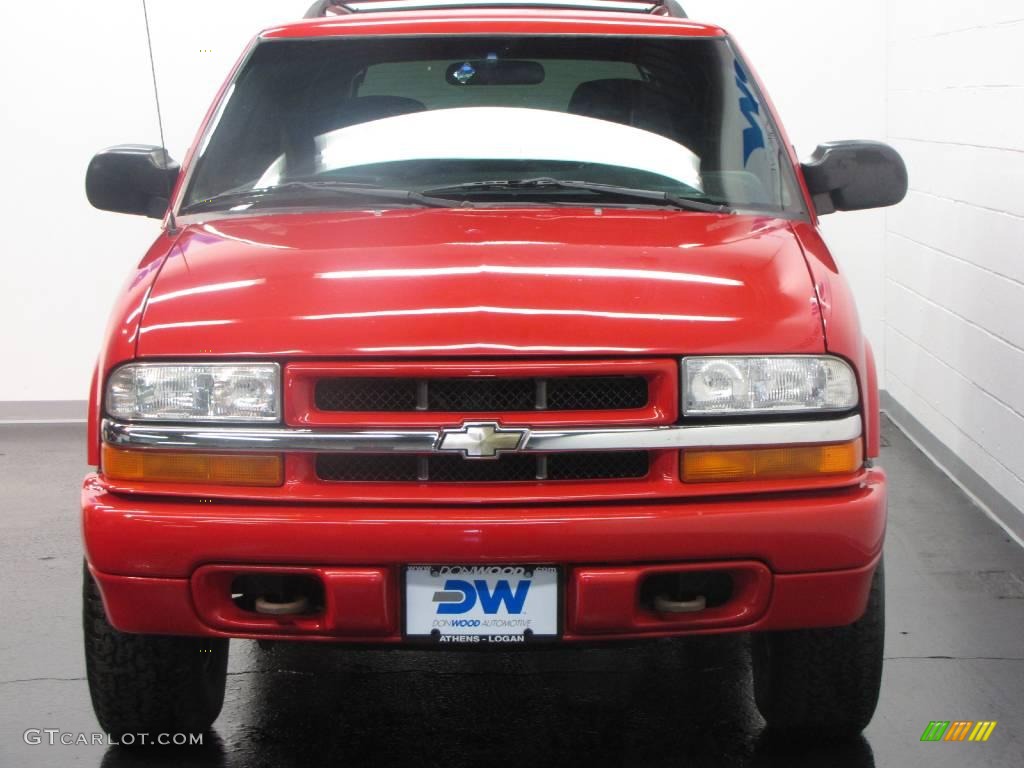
[{"x": 323, "y": 8}]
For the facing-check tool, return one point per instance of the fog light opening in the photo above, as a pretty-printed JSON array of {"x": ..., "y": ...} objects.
[
  {"x": 673, "y": 594},
  {"x": 280, "y": 595}
]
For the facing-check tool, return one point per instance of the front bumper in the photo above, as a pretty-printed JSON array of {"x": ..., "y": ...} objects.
[{"x": 810, "y": 557}]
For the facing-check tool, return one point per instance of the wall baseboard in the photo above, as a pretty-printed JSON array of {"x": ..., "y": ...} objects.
[
  {"x": 43, "y": 411},
  {"x": 991, "y": 501}
]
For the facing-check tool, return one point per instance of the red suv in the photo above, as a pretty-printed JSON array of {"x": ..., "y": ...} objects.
[{"x": 486, "y": 326}]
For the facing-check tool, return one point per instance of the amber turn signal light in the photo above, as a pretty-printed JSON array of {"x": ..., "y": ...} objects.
[
  {"x": 719, "y": 466},
  {"x": 187, "y": 467}
]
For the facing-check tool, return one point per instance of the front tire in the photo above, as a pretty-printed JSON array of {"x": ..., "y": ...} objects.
[
  {"x": 824, "y": 680},
  {"x": 150, "y": 683}
]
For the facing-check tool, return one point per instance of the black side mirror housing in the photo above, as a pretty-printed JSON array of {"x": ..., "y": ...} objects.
[
  {"x": 855, "y": 175},
  {"x": 131, "y": 178}
]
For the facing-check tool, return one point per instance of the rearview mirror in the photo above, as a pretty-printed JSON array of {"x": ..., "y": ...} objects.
[
  {"x": 854, "y": 176},
  {"x": 131, "y": 178},
  {"x": 493, "y": 71}
]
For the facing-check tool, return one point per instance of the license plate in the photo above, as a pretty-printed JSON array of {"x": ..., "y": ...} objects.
[{"x": 481, "y": 604}]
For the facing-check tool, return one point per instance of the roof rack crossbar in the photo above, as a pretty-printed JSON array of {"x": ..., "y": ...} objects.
[
  {"x": 323, "y": 8},
  {"x": 673, "y": 8}
]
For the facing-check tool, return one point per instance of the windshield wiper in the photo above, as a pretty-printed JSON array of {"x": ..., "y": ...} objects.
[
  {"x": 286, "y": 190},
  {"x": 610, "y": 190}
]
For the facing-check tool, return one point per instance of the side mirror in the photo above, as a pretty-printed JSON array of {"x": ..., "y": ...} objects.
[
  {"x": 131, "y": 178},
  {"x": 855, "y": 175}
]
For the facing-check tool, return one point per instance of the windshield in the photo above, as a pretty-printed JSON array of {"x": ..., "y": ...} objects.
[{"x": 353, "y": 122}]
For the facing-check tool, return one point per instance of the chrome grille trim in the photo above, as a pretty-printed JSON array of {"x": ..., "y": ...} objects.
[{"x": 290, "y": 439}]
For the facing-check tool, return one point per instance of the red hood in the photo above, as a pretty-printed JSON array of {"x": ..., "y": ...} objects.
[{"x": 443, "y": 282}]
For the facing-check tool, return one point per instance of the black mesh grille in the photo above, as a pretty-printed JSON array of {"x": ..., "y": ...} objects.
[
  {"x": 597, "y": 466},
  {"x": 358, "y": 394},
  {"x": 366, "y": 468},
  {"x": 514, "y": 468},
  {"x": 597, "y": 393},
  {"x": 482, "y": 395},
  {"x": 505, "y": 469}
]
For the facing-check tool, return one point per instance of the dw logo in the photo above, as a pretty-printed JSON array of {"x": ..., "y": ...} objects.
[{"x": 461, "y": 596}]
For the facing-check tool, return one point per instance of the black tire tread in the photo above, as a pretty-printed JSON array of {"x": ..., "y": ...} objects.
[
  {"x": 150, "y": 683},
  {"x": 823, "y": 680}
]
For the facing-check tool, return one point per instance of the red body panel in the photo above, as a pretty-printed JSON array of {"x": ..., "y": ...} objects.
[
  {"x": 488, "y": 21},
  {"x": 791, "y": 533},
  {"x": 797, "y": 601},
  {"x": 485, "y": 291},
  {"x": 122, "y": 333},
  {"x": 358, "y": 601},
  {"x": 603, "y": 600},
  {"x": 510, "y": 282},
  {"x": 841, "y": 323},
  {"x": 829, "y": 538}
]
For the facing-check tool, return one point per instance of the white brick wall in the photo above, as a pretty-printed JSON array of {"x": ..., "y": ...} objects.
[
  {"x": 826, "y": 87},
  {"x": 86, "y": 87},
  {"x": 954, "y": 251}
]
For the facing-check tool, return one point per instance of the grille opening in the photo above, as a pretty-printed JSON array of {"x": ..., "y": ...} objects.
[
  {"x": 505, "y": 469},
  {"x": 481, "y": 395},
  {"x": 369, "y": 394},
  {"x": 598, "y": 466},
  {"x": 521, "y": 468},
  {"x": 597, "y": 393},
  {"x": 715, "y": 586},
  {"x": 367, "y": 468}
]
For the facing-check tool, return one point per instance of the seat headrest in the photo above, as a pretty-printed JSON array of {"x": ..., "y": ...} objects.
[
  {"x": 628, "y": 102},
  {"x": 363, "y": 109}
]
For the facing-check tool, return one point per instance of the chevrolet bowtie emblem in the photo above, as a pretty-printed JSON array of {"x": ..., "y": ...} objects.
[{"x": 482, "y": 440}]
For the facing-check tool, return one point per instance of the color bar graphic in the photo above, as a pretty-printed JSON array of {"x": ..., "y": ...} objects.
[
  {"x": 958, "y": 730},
  {"x": 935, "y": 731},
  {"x": 983, "y": 730}
]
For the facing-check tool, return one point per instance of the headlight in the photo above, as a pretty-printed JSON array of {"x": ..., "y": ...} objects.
[
  {"x": 195, "y": 392},
  {"x": 724, "y": 386}
]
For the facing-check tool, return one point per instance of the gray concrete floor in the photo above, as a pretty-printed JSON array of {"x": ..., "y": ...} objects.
[{"x": 955, "y": 650}]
